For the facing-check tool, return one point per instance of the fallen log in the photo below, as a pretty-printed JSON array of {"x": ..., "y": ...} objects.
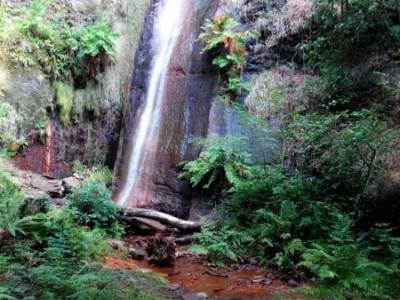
[
  {"x": 163, "y": 218},
  {"x": 151, "y": 224}
]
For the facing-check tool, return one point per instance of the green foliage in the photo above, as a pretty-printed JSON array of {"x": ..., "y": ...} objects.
[
  {"x": 42, "y": 123},
  {"x": 236, "y": 85},
  {"x": 100, "y": 174},
  {"x": 345, "y": 150},
  {"x": 221, "y": 242},
  {"x": 206, "y": 167},
  {"x": 306, "y": 213},
  {"x": 222, "y": 38},
  {"x": 346, "y": 271},
  {"x": 10, "y": 200},
  {"x": 64, "y": 99},
  {"x": 9, "y": 142},
  {"x": 362, "y": 24},
  {"x": 95, "y": 39},
  {"x": 227, "y": 158},
  {"x": 221, "y": 34},
  {"x": 49, "y": 256},
  {"x": 281, "y": 216},
  {"x": 92, "y": 206},
  {"x": 37, "y": 37},
  {"x": 338, "y": 40}
]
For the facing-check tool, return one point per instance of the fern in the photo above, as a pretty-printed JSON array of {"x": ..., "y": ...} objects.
[
  {"x": 228, "y": 45},
  {"x": 10, "y": 200},
  {"x": 206, "y": 167},
  {"x": 347, "y": 270}
]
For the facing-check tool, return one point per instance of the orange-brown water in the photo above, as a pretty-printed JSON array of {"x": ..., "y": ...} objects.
[{"x": 196, "y": 275}]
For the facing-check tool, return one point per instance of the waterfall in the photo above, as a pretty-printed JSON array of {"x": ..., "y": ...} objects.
[{"x": 167, "y": 27}]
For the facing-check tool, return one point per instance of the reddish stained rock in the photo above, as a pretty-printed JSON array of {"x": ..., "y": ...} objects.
[
  {"x": 41, "y": 157},
  {"x": 177, "y": 71},
  {"x": 185, "y": 107}
]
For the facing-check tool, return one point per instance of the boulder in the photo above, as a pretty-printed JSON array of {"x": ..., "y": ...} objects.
[
  {"x": 161, "y": 250},
  {"x": 71, "y": 183},
  {"x": 195, "y": 296},
  {"x": 136, "y": 253},
  {"x": 117, "y": 245},
  {"x": 55, "y": 189}
]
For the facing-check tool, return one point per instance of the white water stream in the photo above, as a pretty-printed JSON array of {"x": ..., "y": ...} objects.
[{"x": 167, "y": 27}]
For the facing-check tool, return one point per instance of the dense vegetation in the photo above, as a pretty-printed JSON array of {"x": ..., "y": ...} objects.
[
  {"x": 315, "y": 212},
  {"x": 40, "y": 37},
  {"x": 229, "y": 48},
  {"x": 46, "y": 253},
  {"x": 320, "y": 210}
]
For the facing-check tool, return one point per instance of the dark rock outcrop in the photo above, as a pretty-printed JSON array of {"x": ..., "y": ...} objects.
[{"x": 161, "y": 250}]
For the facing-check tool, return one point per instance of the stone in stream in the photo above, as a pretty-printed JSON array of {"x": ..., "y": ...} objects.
[
  {"x": 161, "y": 250},
  {"x": 117, "y": 245},
  {"x": 136, "y": 253},
  {"x": 293, "y": 283},
  {"x": 195, "y": 296}
]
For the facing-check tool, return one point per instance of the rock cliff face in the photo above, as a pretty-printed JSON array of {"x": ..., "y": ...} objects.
[
  {"x": 104, "y": 114},
  {"x": 103, "y": 111},
  {"x": 192, "y": 108},
  {"x": 189, "y": 88},
  {"x": 92, "y": 135}
]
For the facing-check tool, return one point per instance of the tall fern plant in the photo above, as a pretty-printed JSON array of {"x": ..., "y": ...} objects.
[
  {"x": 10, "y": 200},
  {"x": 222, "y": 37}
]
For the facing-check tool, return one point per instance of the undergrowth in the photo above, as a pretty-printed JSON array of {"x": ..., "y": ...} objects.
[
  {"x": 49, "y": 255},
  {"x": 35, "y": 36},
  {"x": 314, "y": 212},
  {"x": 227, "y": 45}
]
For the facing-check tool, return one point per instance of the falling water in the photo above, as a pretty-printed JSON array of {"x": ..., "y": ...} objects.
[{"x": 167, "y": 28}]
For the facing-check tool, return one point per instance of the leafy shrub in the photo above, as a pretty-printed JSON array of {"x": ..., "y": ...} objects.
[
  {"x": 100, "y": 174},
  {"x": 95, "y": 39},
  {"x": 282, "y": 217},
  {"x": 306, "y": 212},
  {"x": 220, "y": 243},
  {"x": 339, "y": 38},
  {"x": 227, "y": 44},
  {"x": 39, "y": 39},
  {"x": 49, "y": 256},
  {"x": 346, "y": 271},
  {"x": 10, "y": 200},
  {"x": 222, "y": 35},
  {"x": 92, "y": 206},
  {"x": 344, "y": 150},
  {"x": 34, "y": 206}
]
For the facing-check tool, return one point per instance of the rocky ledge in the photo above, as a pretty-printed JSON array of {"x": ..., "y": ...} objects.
[{"x": 37, "y": 186}]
